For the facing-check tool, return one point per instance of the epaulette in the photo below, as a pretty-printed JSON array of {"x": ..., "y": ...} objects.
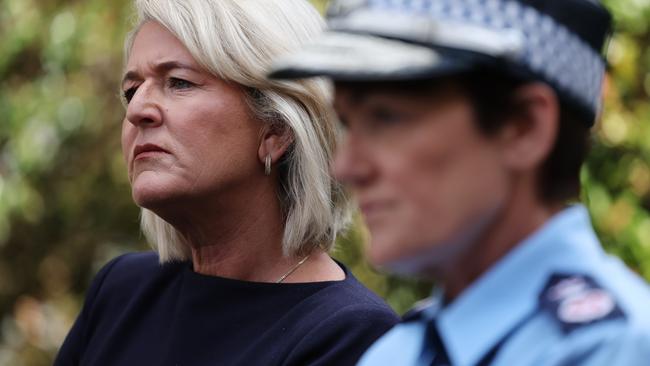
[{"x": 576, "y": 301}]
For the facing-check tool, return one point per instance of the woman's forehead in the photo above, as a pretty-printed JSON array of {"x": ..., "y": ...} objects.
[{"x": 152, "y": 40}]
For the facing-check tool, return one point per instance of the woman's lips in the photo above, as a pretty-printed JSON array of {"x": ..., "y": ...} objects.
[{"x": 147, "y": 151}]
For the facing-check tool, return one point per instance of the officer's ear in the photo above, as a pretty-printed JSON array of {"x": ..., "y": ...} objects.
[{"x": 529, "y": 135}]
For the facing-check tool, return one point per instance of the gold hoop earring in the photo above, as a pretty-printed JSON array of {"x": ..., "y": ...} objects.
[{"x": 267, "y": 164}]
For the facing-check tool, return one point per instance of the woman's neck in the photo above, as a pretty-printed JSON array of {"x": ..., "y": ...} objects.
[{"x": 241, "y": 238}]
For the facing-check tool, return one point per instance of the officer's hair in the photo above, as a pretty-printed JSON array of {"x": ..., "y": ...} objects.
[
  {"x": 236, "y": 40},
  {"x": 492, "y": 95}
]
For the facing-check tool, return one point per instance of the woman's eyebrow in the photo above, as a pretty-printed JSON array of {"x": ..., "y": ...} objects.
[
  {"x": 160, "y": 68},
  {"x": 166, "y": 66},
  {"x": 130, "y": 76}
]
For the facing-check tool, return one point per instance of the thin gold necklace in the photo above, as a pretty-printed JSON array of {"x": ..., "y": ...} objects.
[{"x": 293, "y": 269}]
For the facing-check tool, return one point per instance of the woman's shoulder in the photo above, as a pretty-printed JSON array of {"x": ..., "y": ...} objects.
[
  {"x": 130, "y": 273},
  {"x": 350, "y": 302},
  {"x": 353, "y": 295},
  {"x": 134, "y": 265},
  {"x": 345, "y": 318}
]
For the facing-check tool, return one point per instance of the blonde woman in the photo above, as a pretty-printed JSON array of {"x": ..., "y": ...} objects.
[{"x": 231, "y": 172}]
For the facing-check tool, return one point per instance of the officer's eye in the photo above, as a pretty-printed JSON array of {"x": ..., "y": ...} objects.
[{"x": 387, "y": 116}]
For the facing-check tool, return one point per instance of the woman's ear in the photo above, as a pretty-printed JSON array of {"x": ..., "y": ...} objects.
[
  {"x": 528, "y": 139},
  {"x": 274, "y": 142}
]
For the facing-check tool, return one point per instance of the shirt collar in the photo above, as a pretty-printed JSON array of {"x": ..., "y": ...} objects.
[{"x": 477, "y": 320}]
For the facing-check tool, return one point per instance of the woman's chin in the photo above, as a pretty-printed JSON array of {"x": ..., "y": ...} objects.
[
  {"x": 151, "y": 195},
  {"x": 149, "y": 200}
]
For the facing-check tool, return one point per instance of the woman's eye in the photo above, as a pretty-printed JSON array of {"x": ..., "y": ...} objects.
[
  {"x": 176, "y": 83},
  {"x": 129, "y": 93}
]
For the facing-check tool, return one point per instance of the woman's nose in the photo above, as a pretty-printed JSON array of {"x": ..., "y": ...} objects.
[{"x": 144, "y": 108}]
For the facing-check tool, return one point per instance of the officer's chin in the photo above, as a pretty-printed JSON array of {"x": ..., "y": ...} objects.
[
  {"x": 438, "y": 259},
  {"x": 430, "y": 263}
]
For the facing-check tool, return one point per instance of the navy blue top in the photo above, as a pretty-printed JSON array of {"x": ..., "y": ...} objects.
[{"x": 138, "y": 312}]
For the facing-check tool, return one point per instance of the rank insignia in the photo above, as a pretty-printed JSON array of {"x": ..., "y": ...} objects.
[{"x": 578, "y": 300}]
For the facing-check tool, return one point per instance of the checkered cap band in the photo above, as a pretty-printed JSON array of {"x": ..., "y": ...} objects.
[{"x": 549, "y": 49}]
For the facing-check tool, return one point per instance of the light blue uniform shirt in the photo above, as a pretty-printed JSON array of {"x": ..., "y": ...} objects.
[{"x": 601, "y": 322}]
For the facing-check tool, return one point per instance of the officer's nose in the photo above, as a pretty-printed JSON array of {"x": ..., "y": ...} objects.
[{"x": 350, "y": 165}]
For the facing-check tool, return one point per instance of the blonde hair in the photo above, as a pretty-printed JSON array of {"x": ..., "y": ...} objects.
[{"x": 237, "y": 40}]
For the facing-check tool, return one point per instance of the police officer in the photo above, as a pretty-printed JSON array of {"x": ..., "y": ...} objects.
[{"x": 466, "y": 124}]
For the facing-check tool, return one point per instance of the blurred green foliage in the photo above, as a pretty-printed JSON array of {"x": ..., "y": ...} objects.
[{"x": 65, "y": 206}]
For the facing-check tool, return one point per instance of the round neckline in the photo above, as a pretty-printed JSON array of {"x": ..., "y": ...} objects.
[{"x": 189, "y": 271}]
